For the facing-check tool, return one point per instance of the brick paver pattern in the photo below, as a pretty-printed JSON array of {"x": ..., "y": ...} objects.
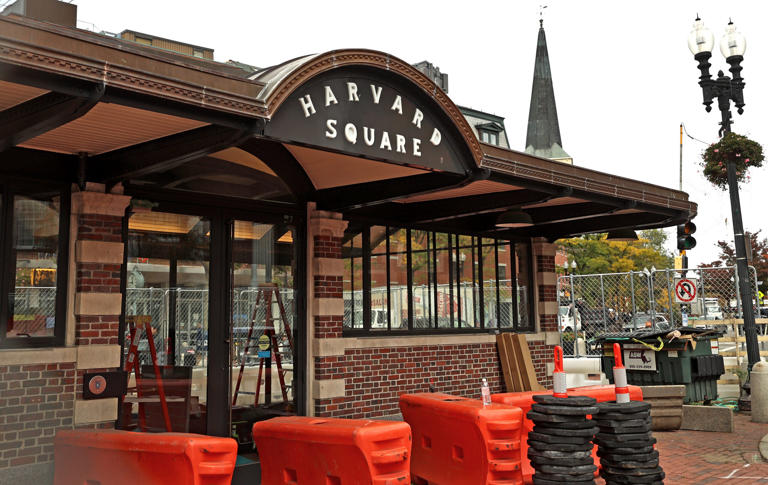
[{"x": 699, "y": 457}]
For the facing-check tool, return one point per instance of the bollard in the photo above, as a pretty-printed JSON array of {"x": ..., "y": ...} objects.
[
  {"x": 759, "y": 389},
  {"x": 559, "y": 387},
  {"x": 620, "y": 376}
]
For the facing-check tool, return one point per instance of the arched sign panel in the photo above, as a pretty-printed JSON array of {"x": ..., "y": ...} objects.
[{"x": 373, "y": 114}]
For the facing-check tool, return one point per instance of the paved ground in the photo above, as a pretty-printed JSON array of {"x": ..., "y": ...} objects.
[{"x": 697, "y": 457}]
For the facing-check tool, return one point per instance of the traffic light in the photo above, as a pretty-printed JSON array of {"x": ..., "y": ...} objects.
[{"x": 685, "y": 239}]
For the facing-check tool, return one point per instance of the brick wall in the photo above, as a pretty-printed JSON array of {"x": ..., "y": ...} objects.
[
  {"x": 35, "y": 401},
  {"x": 376, "y": 377}
]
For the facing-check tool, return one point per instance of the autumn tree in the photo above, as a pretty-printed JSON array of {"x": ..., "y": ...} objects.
[
  {"x": 759, "y": 260},
  {"x": 594, "y": 254}
]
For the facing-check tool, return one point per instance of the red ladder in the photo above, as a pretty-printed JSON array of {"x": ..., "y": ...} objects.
[{"x": 132, "y": 365}]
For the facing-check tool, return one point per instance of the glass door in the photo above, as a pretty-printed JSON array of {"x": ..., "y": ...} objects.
[
  {"x": 167, "y": 298},
  {"x": 264, "y": 298}
]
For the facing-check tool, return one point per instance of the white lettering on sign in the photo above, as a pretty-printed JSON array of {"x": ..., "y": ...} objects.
[
  {"x": 352, "y": 92},
  {"x": 330, "y": 131},
  {"x": 400, "y": 143},
  {"x": 306, "y": 104},
  {"x": 417, "y": 117},
  {"x": 385, "y": 141},
  {"x": 436, "y": 137},
  {"x": 369, "y": 139},
  {"x": 376, "y": 91},
  {"x": 330, "y": 98},
  {"x": 350, "y": 133},
  {"x": 398, "y": 105},
  {"x": 639, "y": 357}
]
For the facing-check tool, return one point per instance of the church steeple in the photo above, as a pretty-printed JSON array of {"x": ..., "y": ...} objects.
[{"x": 543, "y": 138}]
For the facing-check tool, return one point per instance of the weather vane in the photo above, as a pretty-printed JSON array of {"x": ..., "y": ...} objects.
[{"x": 541, "y": 14}]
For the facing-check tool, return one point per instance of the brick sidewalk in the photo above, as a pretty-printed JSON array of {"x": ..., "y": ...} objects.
[{"x": 697, "y": 457}]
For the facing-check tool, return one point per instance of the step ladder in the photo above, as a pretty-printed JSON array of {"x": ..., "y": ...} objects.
[
  {"x": 133, "y": 364},
  {"x": 277, "y": 345}
]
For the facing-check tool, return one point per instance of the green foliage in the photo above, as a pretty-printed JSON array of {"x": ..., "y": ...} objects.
[
  {"x": 593, "y": 254},
  {"x": 731, "y": 148}
]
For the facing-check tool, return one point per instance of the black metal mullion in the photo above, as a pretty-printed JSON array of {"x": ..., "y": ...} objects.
[
  {"x": 6, "y": 230},
  {"x": 498, "y": 283},
  {"x": 219, "y": 332},
  {"x": 513, "y": 284},
  {"x": 300, "y": 321},
  {"x": 62, "y": 272},
  {"x": 389, "y": 279},
  {"x": 433, "y": 276},
  {"x": 481, "y": 282},
  {"x": 366, "y": 260},
  {"x": 451, "y": 269},
  {"x": 409, "y": 273}
]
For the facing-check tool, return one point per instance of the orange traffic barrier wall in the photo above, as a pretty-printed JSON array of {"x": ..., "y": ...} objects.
[
  {"x": 523, "y": 400},
  {"x": 458, "y": 441},
  {"x": 129, "y": 458},
  {"x": 298, "y": 450}
]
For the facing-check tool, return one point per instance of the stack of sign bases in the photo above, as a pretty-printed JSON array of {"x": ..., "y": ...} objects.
[
  {"x": 624, "y": 441},
  {"x": 560, "y": 444}
]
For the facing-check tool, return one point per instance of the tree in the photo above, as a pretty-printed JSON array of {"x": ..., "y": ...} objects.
[
  {"x": 594, "y": 254},
  {"x": 727, "y": 257}
]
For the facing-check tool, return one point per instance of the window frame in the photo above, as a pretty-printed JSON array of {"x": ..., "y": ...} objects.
[
  {"x": 454, "y": 254},
  {"x": 9, "y": 189}
]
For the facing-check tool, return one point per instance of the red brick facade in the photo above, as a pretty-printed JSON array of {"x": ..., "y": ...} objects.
[
  {"x": 376, "y": 377},
  {"x": 35, "y": 401}
]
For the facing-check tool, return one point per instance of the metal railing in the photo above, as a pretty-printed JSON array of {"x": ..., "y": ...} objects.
[{"x": 589, "y": 305}]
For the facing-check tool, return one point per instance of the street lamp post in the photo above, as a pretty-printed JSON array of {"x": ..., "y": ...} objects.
[{"x": 726, "y": 89}]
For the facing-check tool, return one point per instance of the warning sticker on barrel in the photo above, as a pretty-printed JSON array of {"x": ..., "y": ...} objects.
[{"x": 639, "y": 357}]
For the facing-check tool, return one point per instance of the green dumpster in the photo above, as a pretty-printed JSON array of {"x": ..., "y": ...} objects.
[{"x": 654, "y": 358}]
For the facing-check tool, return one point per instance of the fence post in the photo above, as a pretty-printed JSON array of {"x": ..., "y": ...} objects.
[
  {"x": 651, "y": 297},
  {"x": 602, "y": 300},
  {"x": 632, "y": 288},
  {"x": 669, "y": 298},
  {"x": 703, "y": 294},
  {"x": 739, "y": 309}
]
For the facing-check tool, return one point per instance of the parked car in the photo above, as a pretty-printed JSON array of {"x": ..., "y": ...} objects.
[
  {"x": 644, "y": 321},
  {"x": 569, "y": 319},
  {"x": 712, "y": 309}
]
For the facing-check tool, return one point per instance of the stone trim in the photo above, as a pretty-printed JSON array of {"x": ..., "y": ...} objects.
[
  {"x": 327, "y": 307},
  {"x": 98, "y": 356},
  {"x": 321, "y": 226},
  {"x": 328, "y": 388},
  {"x": 87, "y": 251},
  {"x": 54, "y": 355},
  {"x": 548, "y": 308},
  {"x": 95, "y": 410},
  {"x": 98, "y": 303},
  {"x": 546, "y": 278},
  {"x": 99, "y": 203},
  {"x": 328, "y": 266},
  {"x": 327, "y": 347}
]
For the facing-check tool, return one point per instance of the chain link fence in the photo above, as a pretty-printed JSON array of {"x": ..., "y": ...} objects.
[
  {"x": 186, "y": 310},
  {"x": 34, "y": 311},
  {"x": 590, "y": 305}
]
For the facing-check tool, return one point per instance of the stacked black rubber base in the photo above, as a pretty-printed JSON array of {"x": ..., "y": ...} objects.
[
  {"x": 625, "y": 444},
  {"x": 560, "y": 445}
]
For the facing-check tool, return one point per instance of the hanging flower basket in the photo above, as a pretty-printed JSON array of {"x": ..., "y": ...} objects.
[{"x": 731, "y": 148}]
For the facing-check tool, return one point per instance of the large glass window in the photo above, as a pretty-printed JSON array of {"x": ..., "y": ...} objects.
[
  {"x": 34, "y": 235},
  {"x": 422, "y": 281}
]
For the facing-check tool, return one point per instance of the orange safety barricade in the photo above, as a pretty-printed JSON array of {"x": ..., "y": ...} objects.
[
  {"x": 301, "y": 450},
  {"x": 523, "y": 400},
  {"x": 129, "y": 458},
  {"x": 458, "y": 441}
]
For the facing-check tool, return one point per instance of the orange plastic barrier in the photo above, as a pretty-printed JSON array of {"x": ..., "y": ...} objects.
[
  {"x": 130, "y": 458},
  {"x": 298, "y": 450},
  {"x": 523, "y": 400},
  {"x": 458, "y": 441}
]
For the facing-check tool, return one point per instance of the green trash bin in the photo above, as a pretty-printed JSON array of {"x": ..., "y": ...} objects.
[{"x": 652, "y": 359}]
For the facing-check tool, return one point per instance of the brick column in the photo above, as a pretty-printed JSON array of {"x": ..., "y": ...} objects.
[
  {"x": 546, "y": 306},
  {"x": 98, "y": 300},
  {"x": 326, "y": 305}
]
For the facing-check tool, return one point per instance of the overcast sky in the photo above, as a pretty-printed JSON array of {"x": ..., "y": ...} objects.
[{"x": 624, "y": 78}]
